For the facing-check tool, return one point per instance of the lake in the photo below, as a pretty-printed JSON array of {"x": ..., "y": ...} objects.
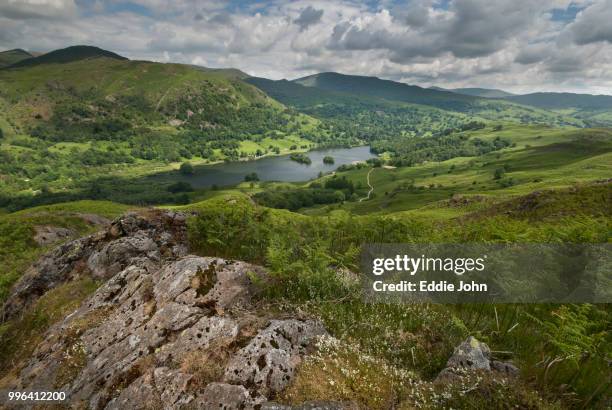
[{"x": 278, "y": 168}]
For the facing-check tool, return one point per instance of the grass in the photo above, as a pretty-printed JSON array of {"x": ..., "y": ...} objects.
[
  {"x": 418, "y": 339},
  {"x": 543, "y": 157},
  {"x": 390, "y": 354},
  {"x": 17, "y": 246}
]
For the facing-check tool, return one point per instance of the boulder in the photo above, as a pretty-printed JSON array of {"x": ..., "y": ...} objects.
[{"x": 473, "y": 355}]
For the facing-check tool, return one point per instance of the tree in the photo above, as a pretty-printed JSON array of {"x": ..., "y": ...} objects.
[
  {"x": 499, "y": 173},
  {"x": 328, "y": 160},
  {"x": 180, "y": 186},
  {"x": 252, "y": 177},
  {"x": 186, "y": 168},
  {"x": 1, "y": 134}
]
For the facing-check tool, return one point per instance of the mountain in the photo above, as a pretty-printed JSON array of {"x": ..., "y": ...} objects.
[
  {"x": 68, "y": 55},
  {"x": 477, "y": 92},
  {"x": 390, "y": 90},
  {"x": 565, "y": 100},
  {"x": 297, "y": 95},
  {"x": 364, "y": 116},
  {"x": 157, "y": 110},
  {"x": 11, "y": 57},
  {"x": 483, "y": 108}
]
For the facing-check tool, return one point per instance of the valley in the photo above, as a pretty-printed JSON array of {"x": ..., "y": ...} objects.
[{"x": 204, "y": 157}]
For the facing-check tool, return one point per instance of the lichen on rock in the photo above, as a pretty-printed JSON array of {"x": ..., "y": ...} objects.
[{"x": 144, "y": 338}]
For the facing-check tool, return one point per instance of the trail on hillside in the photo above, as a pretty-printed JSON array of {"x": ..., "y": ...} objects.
[{"x": 370, "y": 185}]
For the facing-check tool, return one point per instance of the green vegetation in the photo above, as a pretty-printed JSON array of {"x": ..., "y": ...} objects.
[
  {"x": 301, "y": 159},
  {"x": 306, "y": 253},
  {"x": 17, "y": 246},
  {"x": 328, "y": 160},
  {"x": 451, "y": 168},
  {"x": 11, "y": 57},
  {"x": 186, "y": 168},
  {"x": 252, "y": 177}
]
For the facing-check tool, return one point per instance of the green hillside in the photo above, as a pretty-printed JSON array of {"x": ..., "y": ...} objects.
[
  {"x": 491, "y": 109},
  {"x": 364, "y": 117},
  {"x": 481, "y": 92},
  {"x": 10, "y": 57},
  {"x": 67, "y": 55},
  {"x": 97, "y": 114},
  {"x": 565, "y": 100},
  {"x": 593, "y": 110},
  {"x": 386, "y": 89}
]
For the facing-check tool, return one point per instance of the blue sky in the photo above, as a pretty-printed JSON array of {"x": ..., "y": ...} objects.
[{"x": 518, "y": 45}]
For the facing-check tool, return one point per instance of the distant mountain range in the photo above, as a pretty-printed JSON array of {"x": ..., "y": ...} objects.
[
  {"x": 477, "y": 92},
  {"x": 163, "y": 84}
]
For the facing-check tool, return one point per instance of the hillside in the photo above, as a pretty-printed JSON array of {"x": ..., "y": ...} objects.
[
  {"x": 495, "y": 110},
  {"x": 564, "y": 100},
  {"x": 386, "y": 89},
  {"x": 109, "y": 114},
  {"x": 67, "y": 55},
  {"x": 367, "y": 117},
  {"x": 479, "y": 92},
  {"x": 10, "y": 57}
]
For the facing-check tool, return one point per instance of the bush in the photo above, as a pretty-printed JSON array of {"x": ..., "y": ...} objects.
[
  {"x": 186, "y": 168},
  {"x": 328, "y": 160},
  {"x": 252, "y": 177},
  {"x": 180, "y": 187}
]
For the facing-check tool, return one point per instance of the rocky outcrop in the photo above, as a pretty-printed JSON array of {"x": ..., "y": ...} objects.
[
  {"x": 166, "y": 329},
  {"x": 153, "y": 237},
  {"x": 269, "y": 361},
  {"x": 473, "y": 355},
  {"x": 48, "y": 235}
]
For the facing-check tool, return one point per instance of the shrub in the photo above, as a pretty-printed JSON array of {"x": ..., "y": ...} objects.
[{"x": 186, "y": 168}]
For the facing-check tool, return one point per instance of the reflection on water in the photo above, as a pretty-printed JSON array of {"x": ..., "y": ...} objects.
[{"x": 279, "y": 168}]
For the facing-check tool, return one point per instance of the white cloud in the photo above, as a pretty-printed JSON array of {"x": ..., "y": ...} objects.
[{"x": 510, "y": 44}]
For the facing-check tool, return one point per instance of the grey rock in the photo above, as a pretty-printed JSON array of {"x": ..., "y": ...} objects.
[
  {"x": 132, "y": 239},
  {"x": 223, "y": 396},
  {"x": 47, "y": 235},
  {"x": 117, "y": 254},
  {"x": 51, "y": 270},
  {"x": 143, "y": 338},
  {"x": 471, "y": 354},
  {"x": 505, "y": 368},
  {"x": 269, "y": 361}
]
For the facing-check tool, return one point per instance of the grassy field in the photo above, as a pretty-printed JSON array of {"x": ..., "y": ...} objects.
[{"x": 541, "y": 158}]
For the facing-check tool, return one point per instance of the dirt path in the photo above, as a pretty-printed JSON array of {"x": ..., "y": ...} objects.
[{"x": 370, "y": 185}]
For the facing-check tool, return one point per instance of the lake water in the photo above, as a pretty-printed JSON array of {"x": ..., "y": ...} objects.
[{"x": 279, "y": 168}]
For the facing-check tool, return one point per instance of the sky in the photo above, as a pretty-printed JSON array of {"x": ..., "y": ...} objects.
[{"x": 520, "y": 46}]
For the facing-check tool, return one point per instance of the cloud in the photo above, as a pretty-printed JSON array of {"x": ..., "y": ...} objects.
[
  {"x": 308, "y": 17},
  {"x": 593, "y": 24},
  {"x": 515, "y": 44},
  {"x": 37, "y": 9}
]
